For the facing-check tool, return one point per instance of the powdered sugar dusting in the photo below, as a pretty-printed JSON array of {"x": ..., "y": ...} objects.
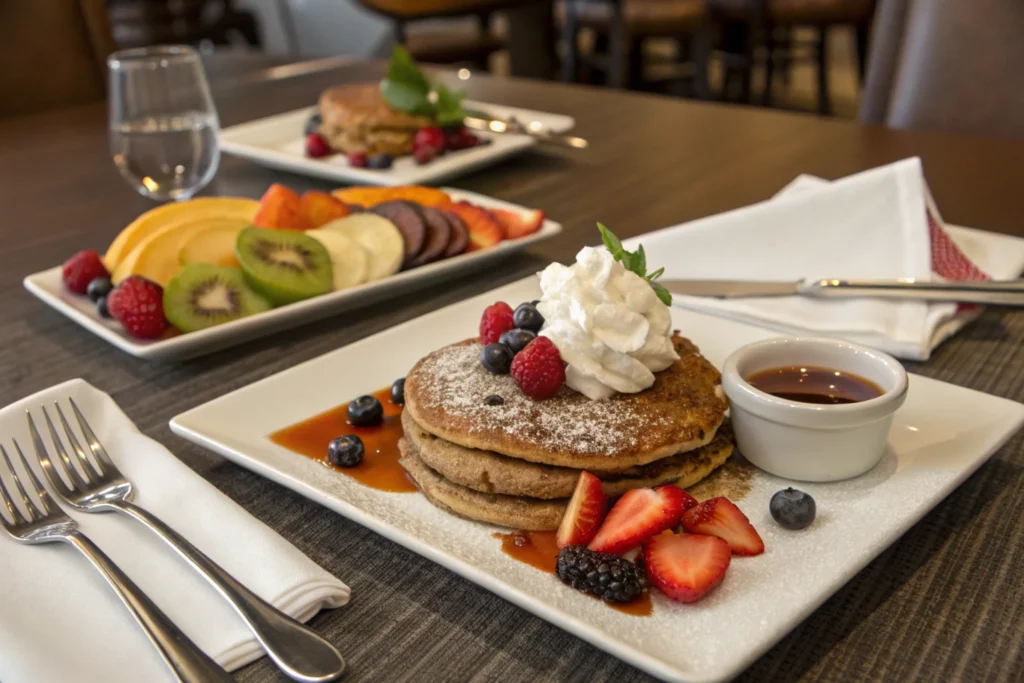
[{"x": 452, "y": 382}]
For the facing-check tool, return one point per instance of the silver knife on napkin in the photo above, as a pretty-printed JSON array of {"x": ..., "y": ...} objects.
[
  {"x": 985, "y": 292},
  {"x": 477, "y": 120}
]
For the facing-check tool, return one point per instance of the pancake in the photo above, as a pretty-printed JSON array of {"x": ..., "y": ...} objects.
[
  {"x": 492, "y": 473},
  {"x": 445, "y": 392},
  {"x": 356, "y": 118},
  {"x": 528, "y": 514}
]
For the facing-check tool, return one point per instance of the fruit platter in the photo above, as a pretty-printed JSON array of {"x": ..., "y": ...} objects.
[
  {"x": 404, "y": 129},
  {"x": 194, "y": 276}
]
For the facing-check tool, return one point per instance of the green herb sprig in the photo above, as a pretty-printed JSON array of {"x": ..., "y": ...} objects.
[
  {"x": 407, "y": 89},
  {"x": 635, "y": 262}
]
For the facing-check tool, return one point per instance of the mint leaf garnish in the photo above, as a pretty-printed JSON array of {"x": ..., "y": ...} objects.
[
  {"x": 407, "y": 89},
  {"x": 635, "y": 262}
]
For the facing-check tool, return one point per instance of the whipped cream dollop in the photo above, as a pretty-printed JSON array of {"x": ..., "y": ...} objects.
[{"x": 607, "y": 323}]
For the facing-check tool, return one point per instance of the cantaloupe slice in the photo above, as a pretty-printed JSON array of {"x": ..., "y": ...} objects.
[
  {"x": 157, "y": 257},
  {"x": 155, "y": 220}
]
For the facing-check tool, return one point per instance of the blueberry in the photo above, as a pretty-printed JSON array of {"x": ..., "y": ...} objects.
[
  {"x": 398, "y": 392},
  {"x": 528, "y": 317},
  {"x": 792, "y": 509},
  {"x": 98, "y": 287},
  {"x": 494, "y": 400},
  {"x": 101, "y": 307},
  {"x": 313, "y": 124},
  {"x": 365, "y": 411},
  {"x": 497, "y": 358},
  {"x": 380, "y": 161},
  {"x": 346, "y": 451},
  {"x": 517, "y": 339}
]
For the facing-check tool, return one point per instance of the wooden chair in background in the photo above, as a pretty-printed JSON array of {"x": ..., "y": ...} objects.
[
  {"x": 623, "y": 27},
  {"x": 137, "y": 23},
  {"x": 456, "y": 47},
  {"x": 52, "y": 54},
  {"x": 947, "y": 65},
  {"x": 769, "y": 23}
]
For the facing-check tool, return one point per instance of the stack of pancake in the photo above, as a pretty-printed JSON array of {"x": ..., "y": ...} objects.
[
  {"x": 478, "y": 447},
  {"x": 356, "y": 118}
]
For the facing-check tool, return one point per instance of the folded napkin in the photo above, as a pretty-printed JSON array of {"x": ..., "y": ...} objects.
[
  {"x": 60, "y": 621},
  {"x": 879, "y": 224}
]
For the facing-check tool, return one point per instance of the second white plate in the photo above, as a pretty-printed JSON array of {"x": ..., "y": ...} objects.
[{"x": 278, "y": 142}]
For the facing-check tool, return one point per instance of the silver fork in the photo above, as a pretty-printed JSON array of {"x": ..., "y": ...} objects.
[
  {"x": 99, "y": 487},
  {"x": 44, "y": 522}
]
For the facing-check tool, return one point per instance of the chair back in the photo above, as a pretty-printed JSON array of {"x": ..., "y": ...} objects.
[
  {"x": 52, "y": 54},
  {"x": 947, "y": 65}
]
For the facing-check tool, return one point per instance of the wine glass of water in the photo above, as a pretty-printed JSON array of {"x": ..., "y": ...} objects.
[{"x": 163, "y": 125}]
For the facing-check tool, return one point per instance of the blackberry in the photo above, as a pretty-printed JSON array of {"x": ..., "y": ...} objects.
[{"x": 610, "y": 577}]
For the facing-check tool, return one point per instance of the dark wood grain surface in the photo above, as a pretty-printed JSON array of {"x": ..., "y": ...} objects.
[{"x": 942, "y": 603}]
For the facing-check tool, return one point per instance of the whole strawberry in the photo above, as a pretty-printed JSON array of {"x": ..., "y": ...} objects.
[
  {"x": 81, "y": 269},
  {"x": 538, "y": 369},
  {"x": 138, "y": 304},
  {"x": 497, "y": 319}
]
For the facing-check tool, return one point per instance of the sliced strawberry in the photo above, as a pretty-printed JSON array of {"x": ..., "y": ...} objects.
[
  {"x": 639, "y": 514},
  {"x": 685, "y": 566},
  {"x": 484, "y": 231},
  {"x": 585, "y": 512},
  {"x": 720, "y": 517},
  {"x": 516, "y": 224}
]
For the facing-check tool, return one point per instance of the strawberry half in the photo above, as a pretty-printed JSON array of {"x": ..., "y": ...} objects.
[
  {"x": 720, "y": 517},
  {"x": 640, "y": 514},
  {"x": 585, "y": 512},
  {"x": 517, "y": 224},
  {"x": 685, "y": 566}
]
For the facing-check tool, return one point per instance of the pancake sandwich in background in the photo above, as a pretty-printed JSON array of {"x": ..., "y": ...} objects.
[{"x": 588, "y": 381}]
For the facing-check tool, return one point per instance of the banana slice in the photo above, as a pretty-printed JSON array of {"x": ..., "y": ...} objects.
[
  {"x": 379, "y": 236},
  {"x": 349, "y": 260}
]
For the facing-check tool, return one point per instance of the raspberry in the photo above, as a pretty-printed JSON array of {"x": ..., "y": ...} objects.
[
  {"x": 138, "y": 304},
  {"x": 81, "y": 269},
  {"x": 316, "y": 146},
  {"x": 538, "y": 369},
  {"x": 431, "y": 138},
  {"x": 358, "y": 160},
  {"x": 497, "y": 319}
]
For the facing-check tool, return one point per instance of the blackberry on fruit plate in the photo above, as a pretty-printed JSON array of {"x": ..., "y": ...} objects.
[
  {"x": 380, "y": 162},
  {"x": 398, "y": 392},
  {"x": 610, "y": 577},
  {"x": 527, "y": 317},
  {"x": 365, "y": 411},
  {"x": 517, "y": 339},
  {"x": 99, "y": 287},
  {"x": 346, "y": 451},
  {"x": 497, "y": 358}
]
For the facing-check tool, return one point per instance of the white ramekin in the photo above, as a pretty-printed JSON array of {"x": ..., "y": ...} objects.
[{"x": 810, "y": 441}]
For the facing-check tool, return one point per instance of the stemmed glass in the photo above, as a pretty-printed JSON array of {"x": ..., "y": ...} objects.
[{"x": 163, "y": 124}]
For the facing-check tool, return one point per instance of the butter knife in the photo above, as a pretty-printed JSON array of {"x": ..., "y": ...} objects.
[
  {"x": 482, "y": 121},
  {"x": 985, "y": 292}
]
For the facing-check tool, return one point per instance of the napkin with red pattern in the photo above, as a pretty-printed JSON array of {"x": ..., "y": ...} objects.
[{"x": 879, "y": 224}]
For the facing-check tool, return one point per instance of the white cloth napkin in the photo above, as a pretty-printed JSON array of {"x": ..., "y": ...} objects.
[
  {"x": 879, "y": 224},
  {"x": 59, "y": 620}
]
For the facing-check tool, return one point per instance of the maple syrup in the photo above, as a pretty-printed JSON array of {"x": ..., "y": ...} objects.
[
  {"x": 539, "y": 549},
  {"x": 379, "y": 469},
  {"x": 810, "y": 384}
]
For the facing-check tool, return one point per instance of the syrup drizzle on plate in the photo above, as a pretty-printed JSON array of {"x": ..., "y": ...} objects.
[{"x": 379, "y": 469}]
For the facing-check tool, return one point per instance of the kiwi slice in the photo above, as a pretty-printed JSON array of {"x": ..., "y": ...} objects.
[
  {"x": 202, "y": 295},
  {"x": 283, "y": 265}
]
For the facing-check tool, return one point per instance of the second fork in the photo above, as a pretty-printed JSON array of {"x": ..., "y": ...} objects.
[{"x": 100, "y": 487}]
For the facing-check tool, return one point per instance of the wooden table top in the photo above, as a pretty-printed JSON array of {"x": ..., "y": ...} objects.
[{"x": 942, "y": 602}]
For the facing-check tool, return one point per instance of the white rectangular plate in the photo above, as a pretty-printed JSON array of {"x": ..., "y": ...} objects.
[
  {"x": 939, "y": 437},
  {"x": 47, "y": 286},
  {"x": 278, "y": 142}
]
